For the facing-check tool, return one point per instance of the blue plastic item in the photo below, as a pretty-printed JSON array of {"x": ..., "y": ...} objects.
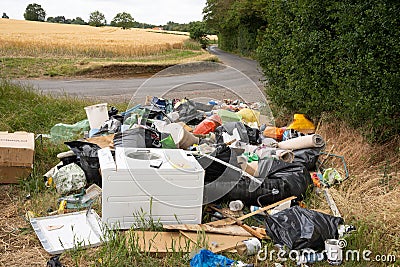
[{"x": 206, "y": 258}]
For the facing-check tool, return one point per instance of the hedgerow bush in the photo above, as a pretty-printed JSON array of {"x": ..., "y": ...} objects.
[
  {"x": 336, "y": 56},
  {"x": 340, "y": 57}
]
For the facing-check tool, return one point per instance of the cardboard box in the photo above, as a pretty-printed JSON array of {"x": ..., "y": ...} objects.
[{"x": 16, "y": 156}]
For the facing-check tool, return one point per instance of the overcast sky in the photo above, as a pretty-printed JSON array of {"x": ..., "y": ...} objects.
[{"x": 156, "y": 12}]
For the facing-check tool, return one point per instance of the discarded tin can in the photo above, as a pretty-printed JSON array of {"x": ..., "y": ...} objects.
[
  {"x": 248, "y": 247},
  {"x": 236, "y": 205},
  {"x": 334, "y": 251}
]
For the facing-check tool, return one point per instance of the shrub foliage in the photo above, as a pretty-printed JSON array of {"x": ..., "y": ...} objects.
[{"x": 340, "y": 57}]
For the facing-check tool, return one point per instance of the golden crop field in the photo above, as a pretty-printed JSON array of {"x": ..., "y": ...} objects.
[{"x": 19, "y": 38}]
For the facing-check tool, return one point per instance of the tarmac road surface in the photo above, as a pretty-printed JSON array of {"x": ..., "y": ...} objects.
[{"x": 240, "y": 77}]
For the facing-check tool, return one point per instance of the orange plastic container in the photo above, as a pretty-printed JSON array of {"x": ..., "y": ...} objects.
[
  {"x": 205, "y": 127},
  {"x": 208, "y": 125},
  {"x": 274, "y": 132}
]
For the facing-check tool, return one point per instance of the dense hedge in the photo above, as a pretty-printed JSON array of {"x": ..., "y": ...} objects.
[{"x": 339, "y": 56}]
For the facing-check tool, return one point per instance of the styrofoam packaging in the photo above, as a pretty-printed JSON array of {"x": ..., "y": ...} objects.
[{"x": 97, "y": 115}]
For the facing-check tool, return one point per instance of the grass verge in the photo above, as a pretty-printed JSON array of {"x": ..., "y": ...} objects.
[
  {"x": 12, "y": 67},
  {"x": 27, "y": 67}
]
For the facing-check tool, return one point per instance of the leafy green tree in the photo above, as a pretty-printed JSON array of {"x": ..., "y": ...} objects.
[
  {"x": 97, "y": 19},
  {"x": 50, "y": 19},
  {"x": 173, "y": 26},
  {"x": 34, "y": 12},
  {"x": 123, "y": 20},
  {"x": 197, "y": 30},
  {"x": 59, "y": 19},
  {"x": 79, "y": 21},
  {"x": 4, "y": 16}
]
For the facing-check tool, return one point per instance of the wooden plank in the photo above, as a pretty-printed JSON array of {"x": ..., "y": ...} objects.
[
  {"x": 266, "y": 208},
  {"x": 227, "y": 230},
  {"x": 224, "y": 222},
  {"x": 241, "y": 224}
]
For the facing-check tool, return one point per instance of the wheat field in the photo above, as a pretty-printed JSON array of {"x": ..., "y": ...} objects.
[{"x": 20, "y": 38}]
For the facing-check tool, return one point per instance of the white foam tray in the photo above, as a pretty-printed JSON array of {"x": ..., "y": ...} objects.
[{"x": 78, "y": 230}]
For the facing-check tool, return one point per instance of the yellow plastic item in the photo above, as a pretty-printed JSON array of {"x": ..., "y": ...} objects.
[
  {"x": 249, "y": 115},
  {"x": 61, "y": 207},
  {"x": 302, "y": 124}
]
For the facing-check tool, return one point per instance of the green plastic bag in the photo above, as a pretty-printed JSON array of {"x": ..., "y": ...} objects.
[
  {"x": 67, "y": 132},
  {"x": 331, "y": 176},
  {"x": 229, "y": 116},
  {"x": 168, "y": 142}
]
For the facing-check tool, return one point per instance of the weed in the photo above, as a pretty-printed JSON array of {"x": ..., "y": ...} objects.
[{"x": 387, "y": 178}]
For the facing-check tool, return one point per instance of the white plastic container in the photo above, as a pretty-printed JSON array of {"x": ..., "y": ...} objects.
[{"x": 97, "y": 114}]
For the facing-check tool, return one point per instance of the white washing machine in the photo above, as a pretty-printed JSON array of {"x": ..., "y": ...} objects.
[{"x": 163, "y": 184}]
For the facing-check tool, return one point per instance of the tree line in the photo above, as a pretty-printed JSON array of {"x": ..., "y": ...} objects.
[
  {"x": 35, "y": 12},
  {"x": 124, "y": 20},
  {"x": 340, "y": 57}
]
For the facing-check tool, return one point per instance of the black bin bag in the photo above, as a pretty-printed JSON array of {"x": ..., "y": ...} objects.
[
  {"x": 295, "y": 176},
  {"x": 299, "y": 228},
  {"x": 269, "y": 191},
  {"x": 88, "y": 160},
  {"x": 279, "y": 180},
  {"x": 215, "y": 170},
  {"x": 307, "y": 157}
]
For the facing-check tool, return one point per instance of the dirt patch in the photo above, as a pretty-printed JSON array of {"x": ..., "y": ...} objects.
[
  {"x": 133, "y": 70},
  {"x": 18, "y": 243},
  {"x": 117, "y": 71}
]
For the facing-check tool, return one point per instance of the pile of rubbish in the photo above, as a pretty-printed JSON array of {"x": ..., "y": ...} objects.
[{"x": 178, "y": 160}]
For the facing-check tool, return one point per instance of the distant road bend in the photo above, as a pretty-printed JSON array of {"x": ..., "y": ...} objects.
[{"x": 248, "y": 86}]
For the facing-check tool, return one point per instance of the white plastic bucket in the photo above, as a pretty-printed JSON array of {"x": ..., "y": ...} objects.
[
  {"x": 333, "y": 251},
  {"x": 97, "y": 115}
]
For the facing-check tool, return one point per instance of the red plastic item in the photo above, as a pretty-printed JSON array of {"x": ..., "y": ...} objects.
[{"x": 315, "y": 179}]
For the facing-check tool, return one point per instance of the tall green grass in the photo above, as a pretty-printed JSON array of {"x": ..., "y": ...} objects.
[{"x": 24, "y": 109}]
